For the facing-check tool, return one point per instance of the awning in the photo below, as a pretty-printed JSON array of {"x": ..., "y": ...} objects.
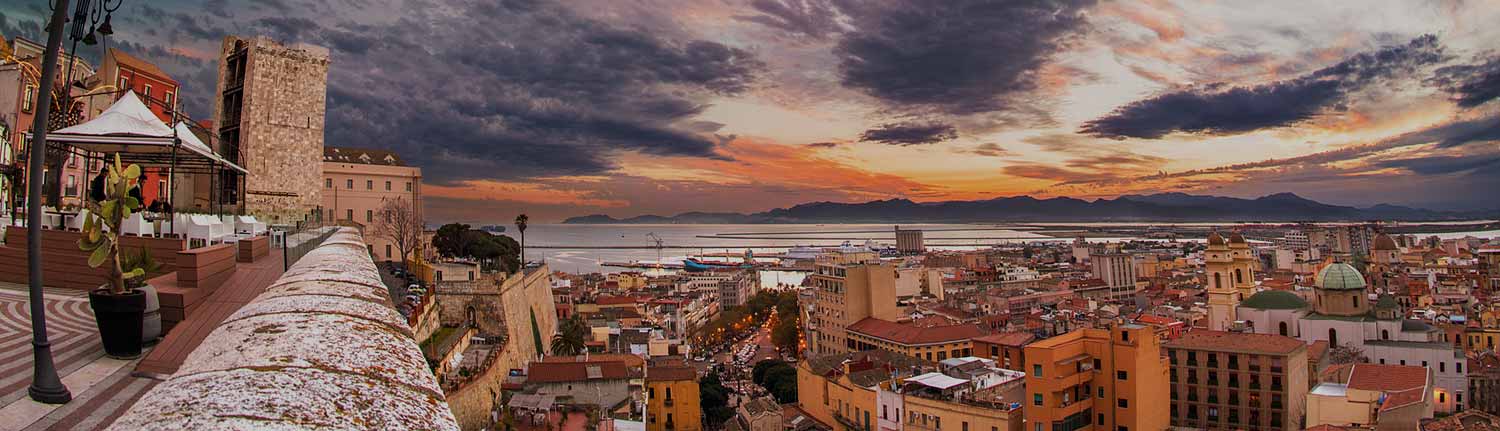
[
  {"x": 131, "y": 130},
  {"x": 937, "y": 380}
]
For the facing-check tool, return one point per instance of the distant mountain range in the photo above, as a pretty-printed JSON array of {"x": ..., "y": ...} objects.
[{"x": 1280, "y": 207}]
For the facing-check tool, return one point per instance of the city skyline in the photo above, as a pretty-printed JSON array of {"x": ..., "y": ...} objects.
[{"x": 561, "y": 109}]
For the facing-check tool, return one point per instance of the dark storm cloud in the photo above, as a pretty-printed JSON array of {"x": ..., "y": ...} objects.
[
  {"x": 910, "y": 133},
  {"x": 1445, "y": 165},
  {"x": 816, "y": 19},
  {"x": 479, "y": 95},
  {"x": 963, "y": 57},
  {"x": 1222, "y": 109},
  {"x": 824, "y": 145},
  {"x": 1471, "y": 84}
]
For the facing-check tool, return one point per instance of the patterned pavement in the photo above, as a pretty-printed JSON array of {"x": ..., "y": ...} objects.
[{"x": 102, "y": 387}]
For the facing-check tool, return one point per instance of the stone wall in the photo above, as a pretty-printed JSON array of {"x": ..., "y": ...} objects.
[{"x": 322, "y": 348}]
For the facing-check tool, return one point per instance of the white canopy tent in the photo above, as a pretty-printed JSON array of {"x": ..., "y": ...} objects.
[{"x": 130, "y": 129}]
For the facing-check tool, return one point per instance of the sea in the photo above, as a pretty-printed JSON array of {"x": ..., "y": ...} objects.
[{"x": 584, "y": 248}]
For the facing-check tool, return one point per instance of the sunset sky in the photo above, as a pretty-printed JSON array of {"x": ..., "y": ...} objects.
[{"x": 629, "y": 107}]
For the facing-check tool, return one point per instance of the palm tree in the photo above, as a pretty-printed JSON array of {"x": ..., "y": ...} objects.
[
  {"x": 570, "y": 338},
  {"x": 521, "y": 226}
]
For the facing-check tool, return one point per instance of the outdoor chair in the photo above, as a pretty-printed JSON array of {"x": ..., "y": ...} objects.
[
  {"x": 248, "y": 225},
  {"x": 137, "y": 225},
  {"x": 75, "y": 222}
]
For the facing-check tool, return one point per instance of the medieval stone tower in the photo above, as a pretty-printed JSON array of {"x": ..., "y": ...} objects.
[{"x": 268, "y": 116}]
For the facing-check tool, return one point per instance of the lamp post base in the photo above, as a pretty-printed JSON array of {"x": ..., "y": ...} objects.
[{"x": 58, "y": 395}]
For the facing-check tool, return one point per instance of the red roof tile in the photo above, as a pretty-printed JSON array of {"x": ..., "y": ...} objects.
[
  {"x": 1236, "y": 342},
  {"x": 1396, "y": 400},
  {"x": 1387, "y": 378},
  {"x": 1014, "y": 339},
  {"x": 660, "y": 374},
  {"x": 910, "y": 335}
]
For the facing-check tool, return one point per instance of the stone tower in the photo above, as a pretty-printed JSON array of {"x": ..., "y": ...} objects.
[
  {"x": 268, "y": 114},
  {"x": 1230, "y": 271}
]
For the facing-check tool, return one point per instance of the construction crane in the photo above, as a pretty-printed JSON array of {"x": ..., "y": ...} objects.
[{"x": 658, "y": 242}]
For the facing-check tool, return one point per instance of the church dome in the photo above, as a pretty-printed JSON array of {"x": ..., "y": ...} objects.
[
  {"x": 1215, "y": 239},
  {"x": 1236, "y": 238},
  {"x": 1275, "y": 300},
  {"x": 1384, "y": 242},
  {"x": 1340, "y": 276}
]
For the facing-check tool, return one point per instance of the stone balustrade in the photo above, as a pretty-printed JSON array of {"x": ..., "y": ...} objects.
[{"x": 321, "y": 348}]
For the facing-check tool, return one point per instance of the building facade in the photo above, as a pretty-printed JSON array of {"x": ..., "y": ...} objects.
[
  {"x": 672, "y": 399},
  {"x": 1097, "y": 379},
  {"x": 738, "y": 288},
  {"x": 1117, "y": 269},
  {"x": 932, "y": 343},
  {"x": 1231, "y": 380},
  {"x": 269, "y": 117},
  {"x": 909, "y": 241},
  {"x": 1229, "y": 268},
  {"x": 358, "y": 182},
  {"x": 849, "y": 287}
]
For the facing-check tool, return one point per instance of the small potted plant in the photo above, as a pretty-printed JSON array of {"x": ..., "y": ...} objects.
[{"x": 119, "y": 308}]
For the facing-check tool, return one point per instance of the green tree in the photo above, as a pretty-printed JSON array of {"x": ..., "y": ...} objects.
[
  {"x": 449, "y": 241},
  {"x": 713, "y": 398},
  {"x": 521, "y": 227},
  {"x": 779, "y": 378},
  {"x": 493, "y": 252},
  {"x": 571, "y": 336},
  {"x": 785, "y": 333}
]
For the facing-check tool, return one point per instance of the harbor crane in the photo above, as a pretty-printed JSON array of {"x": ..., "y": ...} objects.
[{"x": 658, "y": 241}]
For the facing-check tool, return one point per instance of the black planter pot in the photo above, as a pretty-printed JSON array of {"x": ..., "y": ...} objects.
[{"x": 120, "y": 321}]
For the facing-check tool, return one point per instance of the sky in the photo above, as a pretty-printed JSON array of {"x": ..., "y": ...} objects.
[{"x": 630, "y": 107}]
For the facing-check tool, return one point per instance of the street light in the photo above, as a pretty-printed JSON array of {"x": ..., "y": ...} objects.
[{"x": 46, "y": 386}]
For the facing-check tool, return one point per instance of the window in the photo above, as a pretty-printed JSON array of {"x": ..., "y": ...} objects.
[
  {"x": 1283, "y": 328},
  {"x": 146, "y": 91},
  {"x": 1096, "y": 364},
  {"x": 349, "y": 184},
  {"x": 1333, "y": 337},
  {"x": 1123, "y": 403},
  {"x": 388, "y": 251},
  {"x": 369, "y": 216},
  {"x": 161, "y": 189},
  {"x": 1101, "y": 392},
  {"x": 28, "y": 98},
  {"x": 369, "y": 184},
  {"x": 408, "y": 186},
  {"x": 328, "y": 183},
  {"x": 387, "y": 186},
  {"x": 124, "y": 83},
  {"x": 1120, "y": 375},
  {"x": 1036, "y": 399},
  {"x": 1458, "y": 367},
  {"x": 72, "y": 189},
  {"x": 1125, "y": 336},
  {"x": 1036, "y": 371},
  {"x": 1355, "y": 300},
  {"x": 349, "y": 214},
  {"x": 1100, "y": 419},
  {"x": 167, "y": 100}
]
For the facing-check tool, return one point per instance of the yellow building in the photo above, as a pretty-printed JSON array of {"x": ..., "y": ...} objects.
[
  {"x": 1230, "y": 270},
  {"x": 1095, "y": 379},
  {"x": 932, "y": 343},
  {"x": 849, "y": 287},
  {"x": 672, "y": 399}
]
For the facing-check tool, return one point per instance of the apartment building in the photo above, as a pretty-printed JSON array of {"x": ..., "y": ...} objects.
[
  {"x": 357, "y": 183},
  {"x": 1117, "y": 269},
  {"x": 1008, "y": 349},
  {"x": 1097, "y": 379},
  {"x": 865, "y": 391},
  {"x": 1233, "y": 380},
  {"x": 738, "y": 288},
  {"x": 932, "y": 343},
  {"x": 672, "y": 399},
  {"x": 849, "y": 287}
]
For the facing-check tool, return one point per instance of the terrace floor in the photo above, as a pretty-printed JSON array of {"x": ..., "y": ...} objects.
[{"x": 103, "y": 387}]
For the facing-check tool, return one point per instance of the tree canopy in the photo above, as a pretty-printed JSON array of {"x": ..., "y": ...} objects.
[{"x": 493, "y": 252}]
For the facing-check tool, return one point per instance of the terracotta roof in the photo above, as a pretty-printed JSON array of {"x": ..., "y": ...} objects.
[
  {"x": 1152, "y": 319},
  {"x": 1237, "y": 342},
  {"x": 1467, "y": 420},
  {"x": 1387, "y": 378},
  {"x": 910, "y": 334},
  {"x": 1317, "y": 349},
  {"x": 361, "y": 156},
  {"x": 1396, "y": 400},
  {"x": 662, "y": 374},
  {"x": 142, "y": 66},
  {"x": 559, "y": 372},
  {"x": 1014, "y": 339},
  {"x": 628, "y": 360}
]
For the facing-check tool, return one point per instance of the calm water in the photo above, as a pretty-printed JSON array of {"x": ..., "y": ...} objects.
[{"x": 567, "y": 247}]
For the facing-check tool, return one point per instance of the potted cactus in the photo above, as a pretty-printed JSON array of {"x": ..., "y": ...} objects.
[{"x": 119, "y": 306}]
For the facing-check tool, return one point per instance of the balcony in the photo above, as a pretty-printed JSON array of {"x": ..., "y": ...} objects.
[
  {"x": 667, "y": 402},
  {"x": 1073, "y": 407}
]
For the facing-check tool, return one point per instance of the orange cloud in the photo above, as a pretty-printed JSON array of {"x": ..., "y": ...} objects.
[{"x": 576, "y": 191}]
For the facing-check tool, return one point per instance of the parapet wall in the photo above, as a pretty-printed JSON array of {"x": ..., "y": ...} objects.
[{"x": 321, "y": 348}]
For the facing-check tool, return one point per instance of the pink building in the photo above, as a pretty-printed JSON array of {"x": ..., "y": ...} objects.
[{"x": 356, "y": 182}]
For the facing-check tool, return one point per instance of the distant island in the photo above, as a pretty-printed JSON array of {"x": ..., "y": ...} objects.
[{"x": 1280, "y": 207}]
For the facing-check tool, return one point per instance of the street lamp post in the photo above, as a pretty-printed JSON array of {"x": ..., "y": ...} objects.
[{"x": 46, "y": 387}]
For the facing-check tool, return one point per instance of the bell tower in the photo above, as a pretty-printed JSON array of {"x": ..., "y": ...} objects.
[
  {"x": 1223, "y": 297},
  {"x": 1242, "y": 269}
]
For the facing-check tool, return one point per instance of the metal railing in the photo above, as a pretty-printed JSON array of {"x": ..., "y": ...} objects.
[{"x": 305, "y": 236}]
